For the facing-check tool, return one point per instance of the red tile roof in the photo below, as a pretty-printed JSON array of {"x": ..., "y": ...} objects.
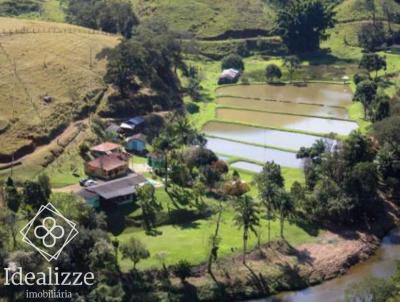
[
  {"x": 105, "y": 147},
  {"x": 108, "y": 162}
]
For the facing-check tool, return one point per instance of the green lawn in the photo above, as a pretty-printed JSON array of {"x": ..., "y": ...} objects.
[{"x": 190, "y": 241}]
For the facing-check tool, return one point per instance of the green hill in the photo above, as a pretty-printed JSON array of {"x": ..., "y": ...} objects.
[
  {"x": 49, "y": 76},
  {"x": 47, "y": 10},
  {"x": 207, "y": 18},
  {"x": 356, "y": 10}
]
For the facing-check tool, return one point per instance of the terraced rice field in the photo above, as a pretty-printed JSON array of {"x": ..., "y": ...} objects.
[
  {"x": 312, "y": 93},
  {"x": 259, "y": 154},
  {"x": 259, "y": 123},
  {"x": 283, "y": 106},
  {"x": 252, "y": 135},
  {"x": 285, "y": 121}
]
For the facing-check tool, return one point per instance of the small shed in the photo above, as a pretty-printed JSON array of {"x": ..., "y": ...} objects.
[
  {"x": 136, "y": 121},
  {"x": 156, "y": 160},
  {"x": 136, "y": 143},
  {"x": 229, "y": 76},
  {"x": 113, "y": 130}
]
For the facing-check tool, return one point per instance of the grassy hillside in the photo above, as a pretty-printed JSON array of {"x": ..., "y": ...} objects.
[
  {"x": 47, "y": 10},
  {"x": 208, "y": 18},
  {"x": 356, "y": 10},
  {"x": 45, "y": 59}
]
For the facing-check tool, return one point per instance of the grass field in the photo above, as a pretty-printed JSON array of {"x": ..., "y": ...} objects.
[
  {"x": 191, "y": 240},
  {"x": 355, "y": 10},
  {"x": 207, "y": 18},
  {"x": 57, "y": 60},
  {"x": 50, "y": 10}
]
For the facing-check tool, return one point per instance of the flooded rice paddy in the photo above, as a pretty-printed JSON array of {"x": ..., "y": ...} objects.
[
  {"x": 312, "y": 93},
  {"x": 292, "y": 122},
  {"x": 260, "y": 136},
  {"x": 260, "y": 154},
  {"x": 284, "y": 106},
  {"x": 314, "y": 108}
]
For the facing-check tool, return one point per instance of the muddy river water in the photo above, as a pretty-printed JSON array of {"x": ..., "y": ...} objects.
[{"x": 382, "y": 264}]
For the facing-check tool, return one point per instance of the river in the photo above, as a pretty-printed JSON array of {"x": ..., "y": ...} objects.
[{"x": 382, "y": 264}]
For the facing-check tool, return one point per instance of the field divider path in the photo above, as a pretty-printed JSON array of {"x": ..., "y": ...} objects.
[
  {"x": 322, "y": 135},
  {"x": 283, "y": 113}
]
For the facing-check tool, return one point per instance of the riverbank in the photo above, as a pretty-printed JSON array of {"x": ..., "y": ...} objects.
[{"x": 277, "y": 267}]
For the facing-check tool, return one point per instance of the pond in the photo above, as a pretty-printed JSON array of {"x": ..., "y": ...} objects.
[
  {"x": 284, "y": 106},
  {"x": 248, "y": 134},
  {"x": 383, "y": 265},
  {"x": 260, "y": 154},
  {"x": 284, "y": 121},
  {"x": 312, "y": 93}
]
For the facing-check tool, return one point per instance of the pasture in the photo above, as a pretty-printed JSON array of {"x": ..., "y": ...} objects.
[{"x": 50, "y": 75}]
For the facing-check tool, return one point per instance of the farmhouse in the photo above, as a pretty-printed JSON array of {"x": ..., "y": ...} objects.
[
  {"x": 229, "y": 76},
  {"x": 108, "y": 166},
  {"x": 114, "y": 193},
  {"x": 105, "y": 149},
  {"x": 136, "y": 143}
]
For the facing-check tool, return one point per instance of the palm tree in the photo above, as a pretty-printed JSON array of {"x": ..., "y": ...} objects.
[
  {"x": 269, "y": 182},
  {"x": 247, "y": 218},
  {"x": 285, "y": 206}
]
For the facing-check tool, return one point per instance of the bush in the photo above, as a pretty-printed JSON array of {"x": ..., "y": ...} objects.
[
  {"x": 182, "y": 270},
  {"x": 273, "y": 72},
  {"x": 360, "y": 76},
  {"x": 233, "y": 61},
  {"x": 192, "y": 108}
]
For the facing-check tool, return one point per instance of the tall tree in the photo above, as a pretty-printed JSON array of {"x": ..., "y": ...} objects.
[
  {"x": 291, "y": 63},
  {"x": 285, "y": 207},
  {"x": 269, "y": 183},
  {"x": 303, "y": 24},
  {"x": 114, "y": 16},
  {"x": 12, "y": 196},
  {"x": 373, "y": 62},
  {"x": 149, "y": 205},
  {"x": 371, "y": 36},
  {"x": 134, "y": 250},
  {"x": 246, "y": 217},
  {"x": 365, "y": 94}
]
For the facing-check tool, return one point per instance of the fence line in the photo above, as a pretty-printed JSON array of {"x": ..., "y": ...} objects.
[{"x": 53, "y": 30}]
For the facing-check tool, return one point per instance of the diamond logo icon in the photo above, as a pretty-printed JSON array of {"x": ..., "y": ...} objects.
[{"x": 49, "y": 232}]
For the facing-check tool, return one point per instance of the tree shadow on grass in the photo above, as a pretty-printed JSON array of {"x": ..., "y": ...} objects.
[
  {"x": 324, "y": 57},
  {"x": 310, "y": 228},
  {"x": 189, "y": 225}
]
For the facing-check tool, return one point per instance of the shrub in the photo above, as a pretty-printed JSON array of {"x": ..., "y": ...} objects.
[
  {"x": 182, "y": 270},
  {"x": 233, "y": 61},
  {"x": 360, "y": 76},
  {"x": 192, "y": 108},
  {"x": 273, "y": 72}
]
